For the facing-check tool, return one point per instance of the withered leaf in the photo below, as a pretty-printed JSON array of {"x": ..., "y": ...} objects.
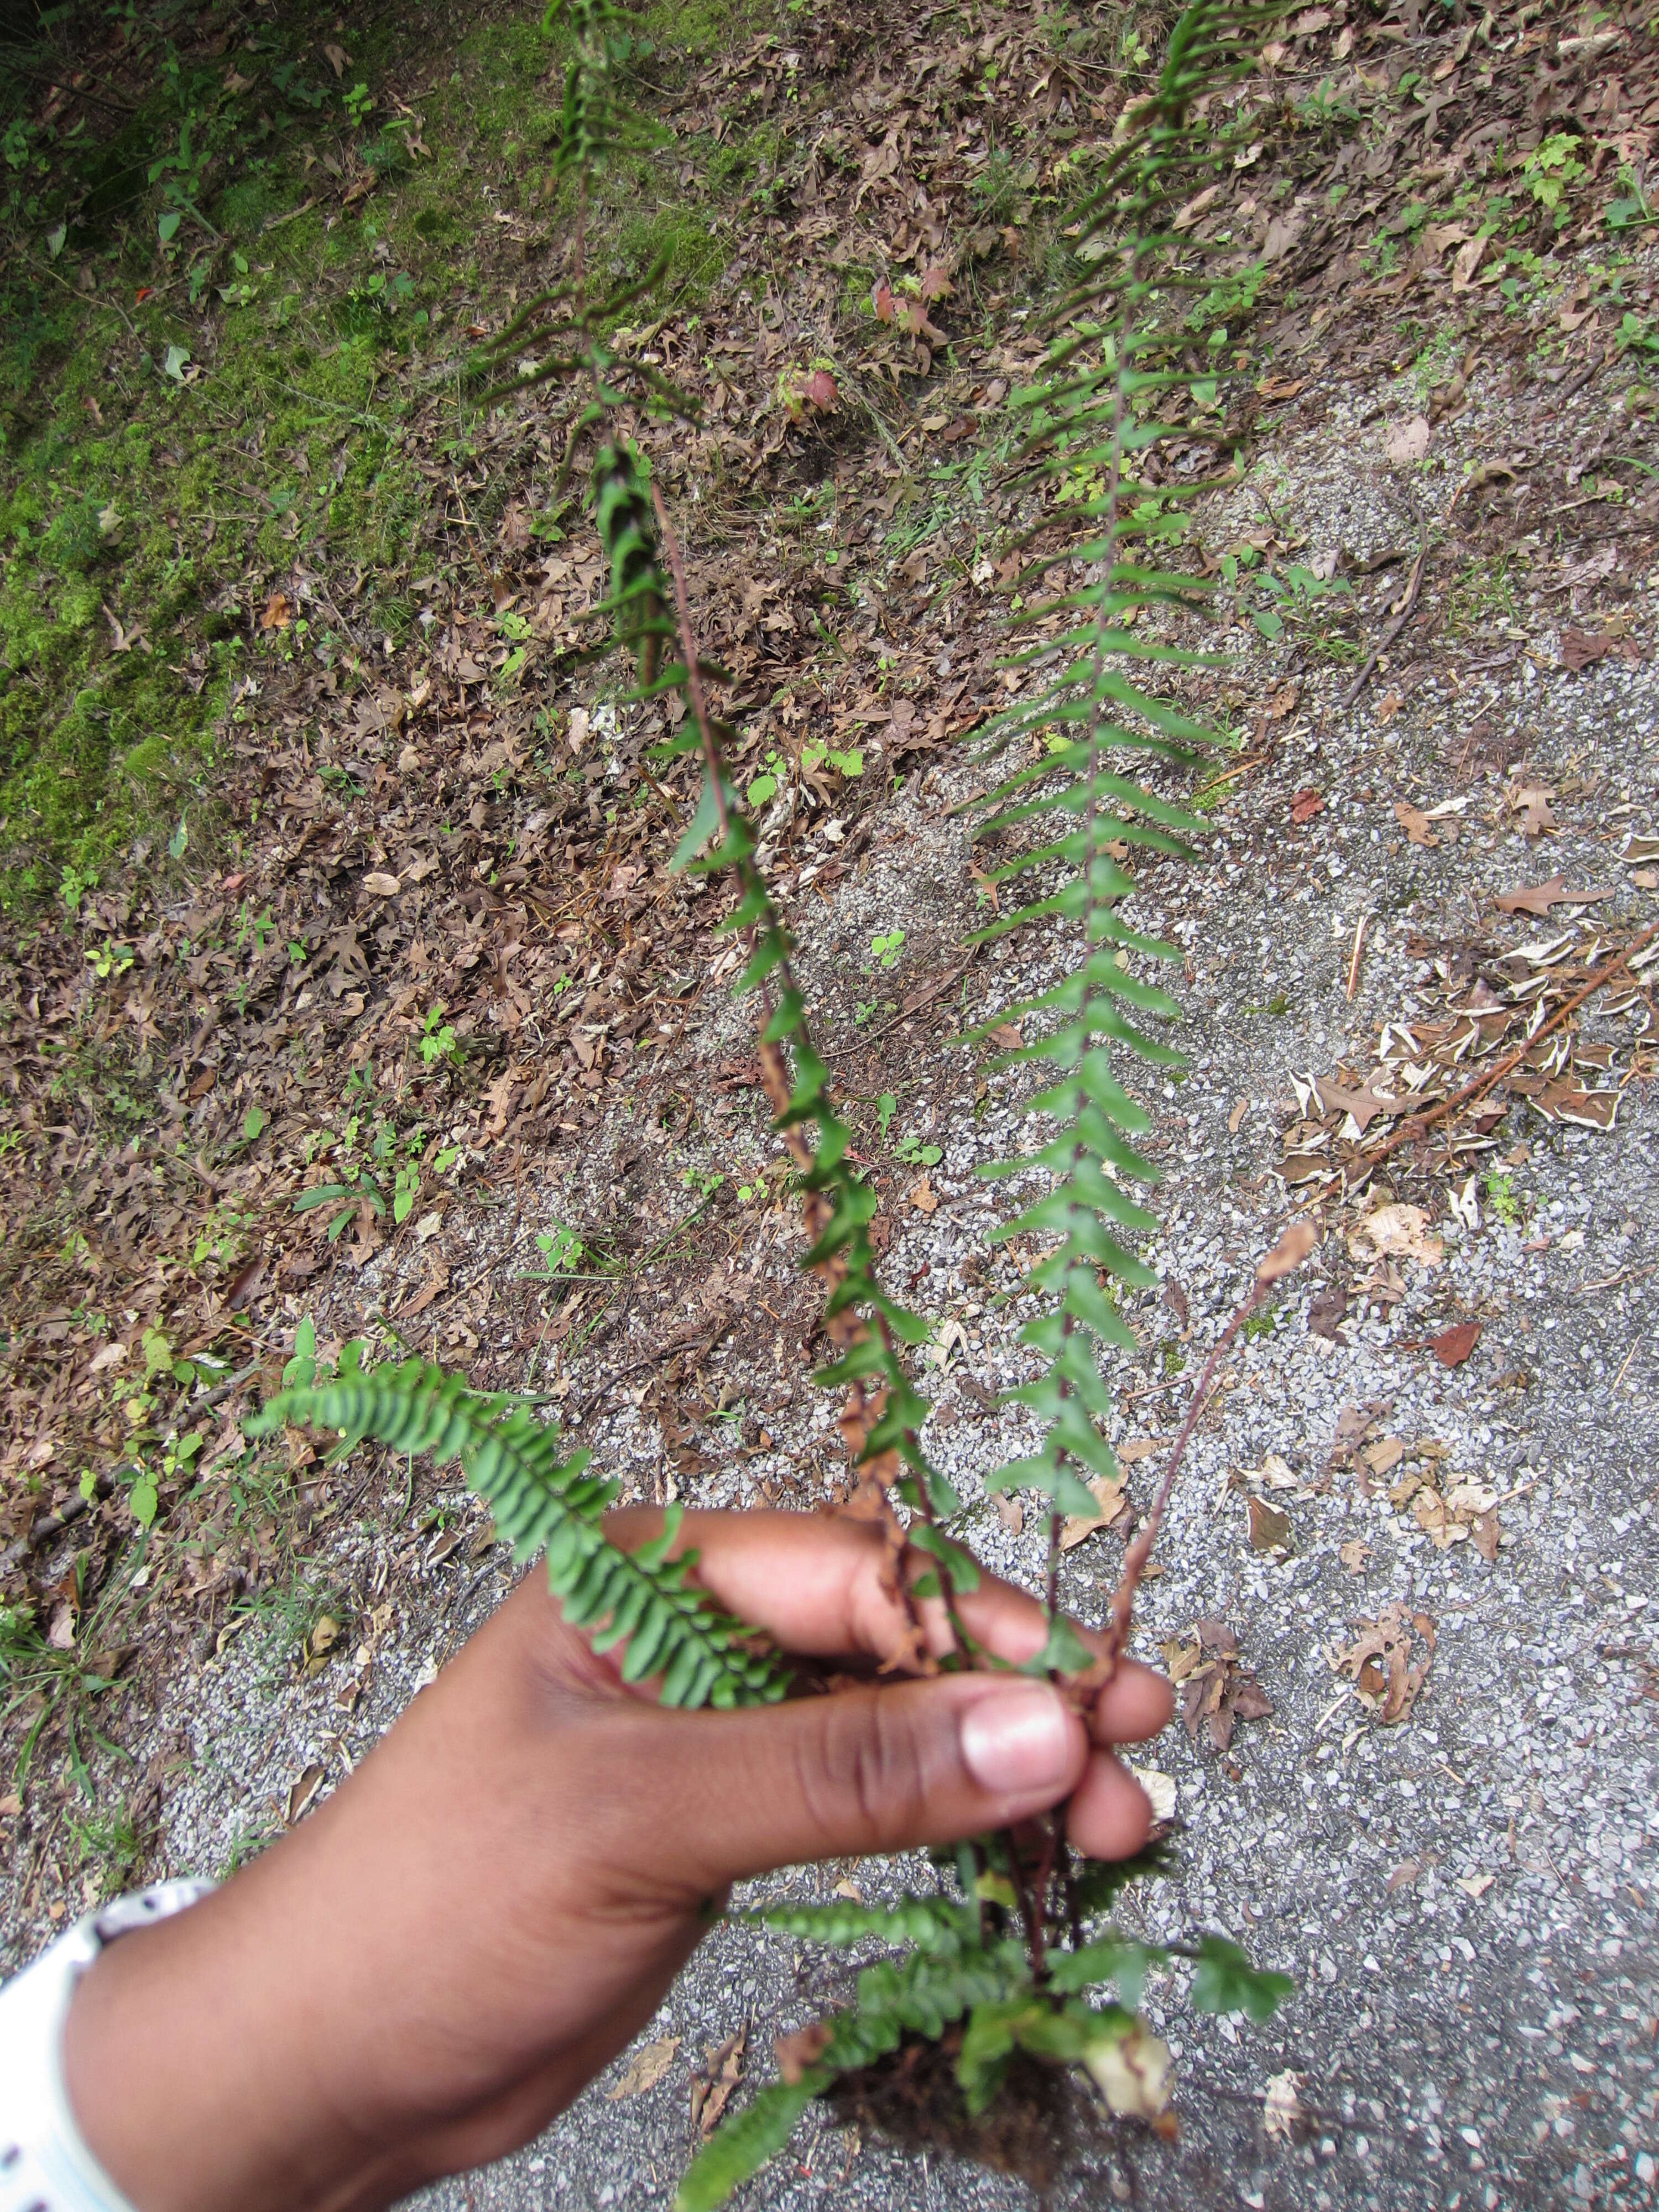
[
  {"x": 1416, "y": 825},
  {"x": 1270, "y": 1530},
  {"x": 1380, "y": 1661},
  {"x": 1110, "y": 1498},
  {"x": 645, "y": 2068},
  {"x": 1539, "y": 898},
  {"x": 1453, "y": 1345},
  {"x": 1327, "y": 1310}
]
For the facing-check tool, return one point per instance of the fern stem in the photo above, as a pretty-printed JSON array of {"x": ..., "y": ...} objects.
[{"x": 1121, "y": 1618}]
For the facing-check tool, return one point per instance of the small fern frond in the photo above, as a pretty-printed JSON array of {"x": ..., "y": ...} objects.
[
  {"x": 742, "y": 2145},
  {"x": 938, "y": 1924},
  {"x": 643, "y": 1598}
]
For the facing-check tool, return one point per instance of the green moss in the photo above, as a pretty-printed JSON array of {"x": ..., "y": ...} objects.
[{"x": 143, "y": 520}]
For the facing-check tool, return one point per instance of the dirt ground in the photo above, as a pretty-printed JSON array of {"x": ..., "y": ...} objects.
[{"x": 1418, "y": 1524}]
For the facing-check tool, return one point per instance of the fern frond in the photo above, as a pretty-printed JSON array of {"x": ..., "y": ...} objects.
[
  {"x": 742, "y": 2145},
  {"x": 1094, "y": 418},
  {"x": 644, "y": 1598},
  {"x": 938, "y": 1924}
]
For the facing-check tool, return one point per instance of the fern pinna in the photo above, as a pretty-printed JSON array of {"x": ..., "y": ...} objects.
[{"x": 1018, "y": 1959}]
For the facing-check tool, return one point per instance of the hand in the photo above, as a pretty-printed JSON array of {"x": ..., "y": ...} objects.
[{"x": 420, "y": 1977}]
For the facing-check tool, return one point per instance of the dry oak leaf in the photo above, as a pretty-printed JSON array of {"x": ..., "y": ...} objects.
[
  {"x": 380, "y": 884},
  {"x": 1379, "y": 1662},
  {"x": 279, "y": 612},
  {"x": 1580, "y": 649},
  {"x": 1364, "y": 1105},
  {"x": 923, "y": 1196},
  {"x": 645, "y": 2068},
  {"x": 1384, "y": 1455},
  {"x": 1532, "y": 802},
  {"x": 1415, "y": 824},
  {"x": 1305, "y": 805},
  {"x": 1539, "y": 898},
  {"x": 1354, "y": 1554}
]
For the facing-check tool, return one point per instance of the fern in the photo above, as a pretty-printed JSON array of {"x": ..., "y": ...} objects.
[
  {"x": 1086, "y": 436},
  {"x": 930, "y": 1923},
  {"x": 644, "y": 1597}
]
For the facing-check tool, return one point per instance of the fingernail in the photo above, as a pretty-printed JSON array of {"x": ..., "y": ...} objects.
[{"x": 1019, "y": 1741}]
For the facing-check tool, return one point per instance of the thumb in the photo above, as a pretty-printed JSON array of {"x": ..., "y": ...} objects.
[{"x": 863, "y": 1770}]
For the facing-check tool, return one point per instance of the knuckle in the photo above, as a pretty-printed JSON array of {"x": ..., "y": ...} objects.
[{"x": 869, "y": 1759}]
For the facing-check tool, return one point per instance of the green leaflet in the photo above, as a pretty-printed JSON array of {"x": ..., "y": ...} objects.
[
  {"x": 542, "y": 1502},
  {"x": 1225, "y": 1981},
  {"x": 742, "y": 2145}
]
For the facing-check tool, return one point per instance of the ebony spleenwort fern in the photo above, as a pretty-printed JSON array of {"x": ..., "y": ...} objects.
[
  {"x": 1019, "y": 1961},
  {"x": 643, "y": 1597}
]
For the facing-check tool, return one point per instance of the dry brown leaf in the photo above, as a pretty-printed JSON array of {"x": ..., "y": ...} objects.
[
  {"x": 715, "y": 2080},
  {"x": 1380, "y": 1661},
  {"x": 1109, "y": 1493},
  {"x": 380, "y": 884},
  {"x": 278, "y": 611},
  {"x": 1453, "y": 1345},
  {"x": 1532, "y": 802},
  {"x": 645, "y": 2068},
  {"x": 1384, "y": 1455},
  {"x": 1416, "y": 825},
  {"x": 1475, "y": 1885},
  {"x": 1409, "y": 442},
  {"x": 1354, "y": 1554},
  {"x": 303, "y": 1795},
  {"x": 1539, "y": 898},
  {"x": 1397, "y": 1230},
  {"x": 923, "y": 1196},
  {"x": 1364, "y": 1105},
  {"x": 1239, "y": 1111},
  {"x": 1270, "y": 1530},
  {"x": 1011, "y": 1513}
]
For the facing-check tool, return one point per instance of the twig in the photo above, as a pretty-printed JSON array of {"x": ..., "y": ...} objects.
[
  {"x": 1419, "y": 1124},
  {"x": 1359, "y": 946},
  {"x": 1395, "y": 628},
  {"x": 1575, "y": 385}
]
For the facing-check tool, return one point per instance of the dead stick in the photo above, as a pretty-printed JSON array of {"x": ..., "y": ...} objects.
[
  {"x": 1420, "y": 1124},
  {"x": 1395, "y": 628},
  {"x": 1358, "y": 947}
]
